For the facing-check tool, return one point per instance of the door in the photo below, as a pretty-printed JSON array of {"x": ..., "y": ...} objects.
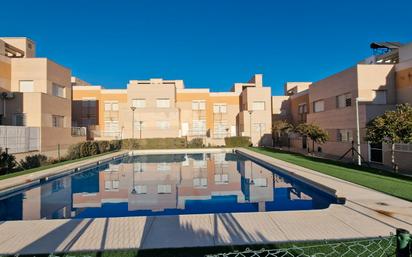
[{"x": 375, "y": 153}]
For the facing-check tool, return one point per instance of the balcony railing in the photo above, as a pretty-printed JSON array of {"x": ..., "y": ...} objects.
[
  {"x": 79, "y": 131},
  {"x": 197, "y": 132},
  {"x": 19, "y": 139},
  {"x": 107, "y": 134}
]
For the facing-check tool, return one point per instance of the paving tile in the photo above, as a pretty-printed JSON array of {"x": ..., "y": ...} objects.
[
  {"x": 124, "y": 233},
  {"x": 245, "y": 228},
  {"x": 42, "y": 236},
  {"x": 179, "y": 231},
  {"x": 312, "y": 225}
]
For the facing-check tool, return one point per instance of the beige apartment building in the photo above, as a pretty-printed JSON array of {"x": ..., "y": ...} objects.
[
  {"x": 35, "y": 109},
  {"x": 379, "y": 83},
  {"x": 158, "y": 108}
]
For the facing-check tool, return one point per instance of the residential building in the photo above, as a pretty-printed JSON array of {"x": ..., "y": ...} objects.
[
  {"x": 379, "y": 83},
  {"x": 165, "y": 108},
  {"x": 35, "y": 109}
]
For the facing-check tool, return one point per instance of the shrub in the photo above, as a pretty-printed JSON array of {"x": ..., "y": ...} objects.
[
  {"x": 162, "y": 143},
  {"x": 237, "y": 141},
  {"x": 93, "y": 148},
  {"x": 129, "y": 143},
  {"x": 195, "y": 143},
  {"x": 84, "y": 149},
  {"x": 7, "y": 163},
  {"x": 33, "y": 161},
  {"x": 115, "y": 145},
  {"x": 153, "y": 143},
  {"x": 74, "y": 151},
  {"x": 104, "y": 146}
]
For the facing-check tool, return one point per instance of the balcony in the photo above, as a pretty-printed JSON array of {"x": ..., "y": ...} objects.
[
  {"x": 79, "y": 131},
  {"x": 19, "y": 139},
  {"x": 107, "y": 134}
]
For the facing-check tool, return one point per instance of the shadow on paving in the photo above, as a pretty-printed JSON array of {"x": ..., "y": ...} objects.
[{"x": 175, "y": 235}]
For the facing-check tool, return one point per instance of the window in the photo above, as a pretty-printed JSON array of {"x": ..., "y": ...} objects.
[
  {"x": 111, "y": 126},
  {"x": 221, "y": 179},
  {"x": 163, "y": 103},
  {"x": 111, "y": 106},
  {"x": 302, "y": 108},
  {"x": 319, "y": 106},
  {"x": 379, "y": 97},
  {"x": 345, "y": 135},
  {"x": 164, "y": 189},
  {"x": 219, "y": 108},
  {"x": 199, "y": 105},
  {"x": 26, "y": 86},
  {"x": 344, "y": 100},
  {"x": 19, "y": 119},
  {"x": 58, "y": 90},
  {"x": 57, "y": 121},
  {"x": 88, "y": 103},
  {"x": 139, "y": 103},
  {"x": 200, "y": 182},
  {"x": 163, "y": 124},
  {"x": 140, "y": 189},
  {"x": 198, "y": 127},
  {"x": 110, "y": 185},
  {"x": 221, "y": 129},
  {"x": 258, "y": 106}
]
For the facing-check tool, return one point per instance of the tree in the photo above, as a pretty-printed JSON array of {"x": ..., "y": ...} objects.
[
  {"x": 314, "y": 132},
  {"x": 7, "y": 162},
  {"x": 279, "y": 127},
  {"x": 393, "y": 127}
]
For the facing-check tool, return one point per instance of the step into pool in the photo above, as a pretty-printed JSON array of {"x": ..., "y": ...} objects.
[{"x": 167, "y": 184}]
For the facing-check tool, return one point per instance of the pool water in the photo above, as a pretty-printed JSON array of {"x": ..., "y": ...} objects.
[{"x": 171, "y": 184}]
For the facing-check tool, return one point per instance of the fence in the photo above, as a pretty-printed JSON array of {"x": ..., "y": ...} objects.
[
  {"x": 18, "y": 139},
  {"x": 399, "y": 246}
]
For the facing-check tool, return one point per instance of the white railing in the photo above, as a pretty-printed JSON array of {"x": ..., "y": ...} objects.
[
  {"x": 79, "y": 131},
  {"x": 107, "y": 134},
  {"x": 19, "y": 139},
  {"x": 197, "y": 132}
]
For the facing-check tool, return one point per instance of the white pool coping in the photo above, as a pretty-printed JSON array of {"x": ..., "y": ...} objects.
[{"x": 363, "y": 215}]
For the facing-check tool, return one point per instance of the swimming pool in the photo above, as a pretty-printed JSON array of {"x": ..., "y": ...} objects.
[{"x": 167, "y": 184}]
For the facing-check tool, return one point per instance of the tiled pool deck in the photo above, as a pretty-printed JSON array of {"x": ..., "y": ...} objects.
[{"x": 367, "y": 213}]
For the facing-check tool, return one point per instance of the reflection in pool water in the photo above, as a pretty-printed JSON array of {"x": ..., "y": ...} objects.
[{"x": 164, "y": 185}]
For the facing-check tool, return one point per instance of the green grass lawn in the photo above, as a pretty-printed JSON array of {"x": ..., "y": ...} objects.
[
  {"x": 24, "y": 172},
  {"x": 380, "y": 180}
]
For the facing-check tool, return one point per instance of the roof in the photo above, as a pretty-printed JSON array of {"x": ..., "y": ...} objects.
[{"x": 389, "y": 45}]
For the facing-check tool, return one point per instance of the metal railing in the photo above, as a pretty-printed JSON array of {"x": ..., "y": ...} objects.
[{"x": 79, "y": 131}]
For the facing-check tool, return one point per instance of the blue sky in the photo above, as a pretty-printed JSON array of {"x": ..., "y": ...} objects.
[{"x": 210, "y": 43}]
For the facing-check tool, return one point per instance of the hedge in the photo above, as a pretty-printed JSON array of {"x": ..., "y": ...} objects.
[{"x": 237, "y": 141}]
